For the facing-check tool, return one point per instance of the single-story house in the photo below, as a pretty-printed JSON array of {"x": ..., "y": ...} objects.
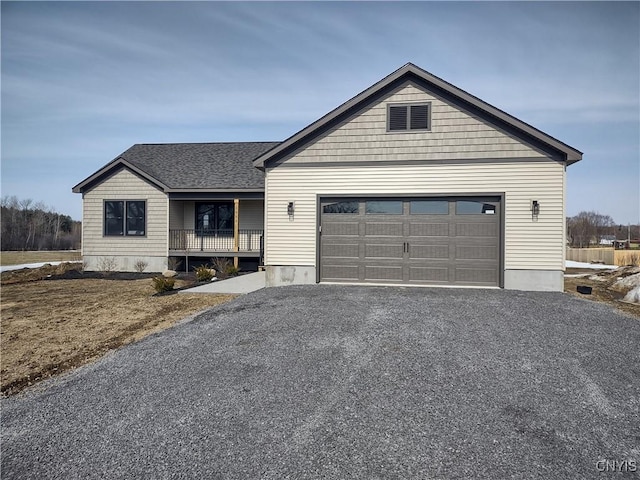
[{"x": 413, "y": 181}]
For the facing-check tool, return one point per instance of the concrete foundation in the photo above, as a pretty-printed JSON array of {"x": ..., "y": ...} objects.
[
  {"x": 534, "y": 280},
  {"x": 123, "y": 263},
  {"x": 528, "y": 280},
  {"x": 279, "y": 275}
]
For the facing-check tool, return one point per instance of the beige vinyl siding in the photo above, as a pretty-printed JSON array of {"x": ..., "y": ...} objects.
[
  {"x": 251, "y": 214},
  {"x": 529, "y": 244},
  {"x": 454, "y": 134},
  {"x": 124, "y": 185},
  {"x": 189, "y": 215},
  {"x": 176, "y": 215}
]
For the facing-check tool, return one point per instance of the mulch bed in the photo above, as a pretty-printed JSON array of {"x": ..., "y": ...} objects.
[{"x": 73, "y": 271}]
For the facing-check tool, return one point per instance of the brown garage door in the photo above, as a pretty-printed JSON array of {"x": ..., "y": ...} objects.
[{"x": 452, "y": 240}]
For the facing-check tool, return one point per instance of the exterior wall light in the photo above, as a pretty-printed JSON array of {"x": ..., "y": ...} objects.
[
  {"x": 290, "y": 209},
  {"x": 535, "y": 208}
]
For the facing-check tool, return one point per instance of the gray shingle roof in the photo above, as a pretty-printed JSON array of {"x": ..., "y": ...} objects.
[{"x": 210, "y": 166}]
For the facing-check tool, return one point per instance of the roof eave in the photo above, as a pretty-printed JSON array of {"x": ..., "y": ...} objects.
[
  {"x": 215, "y": 190},
  {"x": 115, "y": 164}
]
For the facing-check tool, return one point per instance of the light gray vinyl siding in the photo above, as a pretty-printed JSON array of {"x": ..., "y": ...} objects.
[
  {"x": 454, "y": 134},
  {"x": 528, "y": 244},
  {"x": 182, "y": 214},
  {"x": 124, "y": 185}
]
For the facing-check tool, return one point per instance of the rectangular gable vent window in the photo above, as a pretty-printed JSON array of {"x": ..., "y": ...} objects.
[{"x": 408, "y": 117}]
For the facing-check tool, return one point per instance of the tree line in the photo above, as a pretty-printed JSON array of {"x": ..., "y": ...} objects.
[
  {"x": 26, "y": 225},
  {"x": 587, "y": 228}
]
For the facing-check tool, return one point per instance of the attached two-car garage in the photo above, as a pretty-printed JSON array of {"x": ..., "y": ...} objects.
[
  {"x": 411, "y": 240},
  {"x": 417, "y": 182}
]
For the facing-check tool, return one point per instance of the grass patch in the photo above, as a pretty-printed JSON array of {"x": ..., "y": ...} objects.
[{"x": 18, "y": 258}]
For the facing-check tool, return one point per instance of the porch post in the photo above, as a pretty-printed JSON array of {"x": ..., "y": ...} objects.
[{"x": 236, "y": 229}]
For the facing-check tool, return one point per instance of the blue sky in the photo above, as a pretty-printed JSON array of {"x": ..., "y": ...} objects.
[{"x": 81, "y": 82}]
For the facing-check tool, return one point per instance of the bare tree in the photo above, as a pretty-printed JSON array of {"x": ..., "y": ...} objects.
[
  {"x": 28, "y": 226},
  {"x": 587, "y": 228}
]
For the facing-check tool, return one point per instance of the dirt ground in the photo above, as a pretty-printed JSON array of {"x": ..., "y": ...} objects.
[
  {"x": 57, "y": 318},
  {"x": 603, "y": 287}
]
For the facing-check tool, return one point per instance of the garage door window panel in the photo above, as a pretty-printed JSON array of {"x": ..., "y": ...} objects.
[
  {"x": 383, "y": 207},
  {"x": 429, "y": 207},
  {"x": 341, "y": 207},
  {"x": 470, "y": 207}
]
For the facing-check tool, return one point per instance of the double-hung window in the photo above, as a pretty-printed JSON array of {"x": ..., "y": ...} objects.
[
  {"x": 125, "y": 218},
  {"x": 411, "y": 117},
  {"x": 214, "y": 218}
]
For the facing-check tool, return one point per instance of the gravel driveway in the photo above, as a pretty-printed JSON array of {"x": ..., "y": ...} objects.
[{"x": 348, "y": 382}]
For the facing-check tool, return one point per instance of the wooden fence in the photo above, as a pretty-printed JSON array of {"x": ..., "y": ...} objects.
[{"x": 608, "y": 256}]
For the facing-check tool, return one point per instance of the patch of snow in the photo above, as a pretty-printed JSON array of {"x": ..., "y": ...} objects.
[
  {"x": 8, "y": 268},
  {"x": 633, "y": 295},
  {"x": 598, "y": 278},
  {"x": 595, "y": 266},
  {"x": 632, "y": 281}
]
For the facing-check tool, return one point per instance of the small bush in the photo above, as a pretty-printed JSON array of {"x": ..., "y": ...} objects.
[
  {"x": 231, "y": 271},
  {"x": 162, "y": 284},
  {"x": 140, "y": 265},
  {"x": 107, "y": 264},
  {"x": 203, "y": 273},
  {"x": 174, "y": 263},
  {"x": 222, "y": 266}
]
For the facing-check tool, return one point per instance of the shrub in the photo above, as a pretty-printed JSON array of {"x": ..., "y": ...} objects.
[
  {"x": 162, "y": 284},
  {"x": 231, "y": 271},
  {"x": 203, "y": 273},
  {"x": 222, "y": 266},
  {"x": 174, "y": 263},
  {"x": 106, "y": 264},
  {"x": 140, "y": 265}
]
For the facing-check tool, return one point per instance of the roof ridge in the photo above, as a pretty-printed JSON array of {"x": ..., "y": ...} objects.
[{"x": 208, "y": 143}]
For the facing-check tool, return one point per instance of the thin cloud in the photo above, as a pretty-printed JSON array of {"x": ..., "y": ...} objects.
[{"x": 83, "y": 81}]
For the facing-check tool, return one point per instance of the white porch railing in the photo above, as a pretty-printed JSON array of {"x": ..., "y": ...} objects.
[{"x": 214, "y": 240}]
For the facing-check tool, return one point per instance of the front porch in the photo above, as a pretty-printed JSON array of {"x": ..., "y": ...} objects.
[
  {"x": 242, "y": 242},
  {"x": 216, "y": 227}
]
